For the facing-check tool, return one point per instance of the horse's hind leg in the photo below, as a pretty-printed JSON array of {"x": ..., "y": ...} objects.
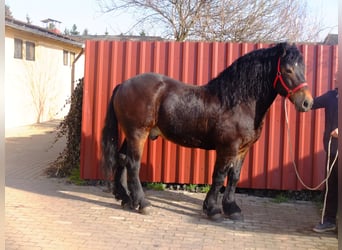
[
  {"x": 134, "y": 151},
  {"x": 120, "y": 189}
]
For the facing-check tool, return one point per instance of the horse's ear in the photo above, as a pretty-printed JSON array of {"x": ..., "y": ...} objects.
[{"x": 282, "y": 48}]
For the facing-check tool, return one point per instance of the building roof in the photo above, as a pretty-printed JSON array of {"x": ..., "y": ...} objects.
[
  {"x": 83, "y": 38},
  {"x": 27, "y": 27},
  {"x": 331, "y": 39}
]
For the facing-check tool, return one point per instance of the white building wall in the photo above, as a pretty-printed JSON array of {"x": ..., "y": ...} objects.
[
  {"x": 40, "y": 85},
  {"x": 79, "y": 68}
]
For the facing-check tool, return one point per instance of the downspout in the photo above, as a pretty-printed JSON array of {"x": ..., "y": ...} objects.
[{"x": 73, "y": 69}]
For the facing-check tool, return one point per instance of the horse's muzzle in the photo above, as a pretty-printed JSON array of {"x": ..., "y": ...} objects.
[{"x": 302, "y": 100}]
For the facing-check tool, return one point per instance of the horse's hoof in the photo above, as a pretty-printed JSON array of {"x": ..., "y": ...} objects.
[
  {"x": 215, "y": 217},
  {"x": 236, "y": 216},
  {"x": 144, "y": 207},
  {"x": 145, "y": 210},
  {"x": 126, "y": 205},
  {"x": 213, "y": 213}
]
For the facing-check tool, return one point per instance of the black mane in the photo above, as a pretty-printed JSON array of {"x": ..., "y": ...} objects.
[{"x": 250, "y": 76}]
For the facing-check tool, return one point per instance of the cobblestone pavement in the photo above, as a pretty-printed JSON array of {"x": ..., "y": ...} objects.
[{"x": 48, "y": 213}]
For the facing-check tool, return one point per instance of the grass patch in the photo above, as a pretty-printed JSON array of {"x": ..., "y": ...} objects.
[
  {"x": 75, "y": 177},
  {"x": 156, "y": 186},
  {"x": 280, "y": 198},
  {"x": 191, "y": 187},
  {"x": 194, "y": 188},
  {"x": 204, "y": 189}
]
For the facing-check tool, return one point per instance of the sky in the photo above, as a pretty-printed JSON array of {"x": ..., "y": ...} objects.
[{"x": 86, "y": 14}]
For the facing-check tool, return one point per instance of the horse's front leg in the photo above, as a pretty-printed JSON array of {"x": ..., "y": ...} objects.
[
  {"x": 230, "y": 208},
  {"x": 212, "y": 205}
]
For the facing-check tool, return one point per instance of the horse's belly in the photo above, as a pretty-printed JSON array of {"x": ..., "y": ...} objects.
[
  {"x": 183, "y": 139},
  {"x": 193, "y": 143}
]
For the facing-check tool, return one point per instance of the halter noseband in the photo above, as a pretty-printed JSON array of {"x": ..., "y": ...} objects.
[{"x": 280, "y": 78}]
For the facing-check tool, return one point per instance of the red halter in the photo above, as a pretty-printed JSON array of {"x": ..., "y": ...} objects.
[{"x": 289, "y": 91}]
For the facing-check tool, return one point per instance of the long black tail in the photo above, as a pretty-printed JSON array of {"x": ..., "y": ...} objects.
[{"x": 109, "y": 143}]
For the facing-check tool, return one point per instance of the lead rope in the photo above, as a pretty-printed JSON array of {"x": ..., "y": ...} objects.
[{"x": 329, "y": 168}]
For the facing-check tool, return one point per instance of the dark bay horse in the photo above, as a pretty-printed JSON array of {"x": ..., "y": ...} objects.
[{"x": 225, "y": 115}]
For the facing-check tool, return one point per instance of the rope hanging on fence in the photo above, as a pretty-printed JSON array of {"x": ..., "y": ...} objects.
[{"x": 329, "y": 167}]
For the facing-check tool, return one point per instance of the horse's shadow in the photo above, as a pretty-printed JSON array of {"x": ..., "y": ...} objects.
[
  {"x": 261, "y": 215},
  {"x": 176, "y": 202}
]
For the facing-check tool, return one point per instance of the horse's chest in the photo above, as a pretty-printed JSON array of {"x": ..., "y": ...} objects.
[{"x": 238, "y": 126}]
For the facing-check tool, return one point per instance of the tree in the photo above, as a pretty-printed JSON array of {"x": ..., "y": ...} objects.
[
  {"x": 85, "y": 32},
  {"x": 28, "y": 19},
  {"x": 255, "y": 21},
  {"x": 66, "y": 32},
  {"x": 142, "y": 33},
  {"x": 178, "y": 17},
  {"x": 41, "y": 86},
  {"x": 74, "y": 30},
  {"x": 8, "y": 12},
  {"x": 51, "y": 26},
  {"x": 223, "y": 20}
]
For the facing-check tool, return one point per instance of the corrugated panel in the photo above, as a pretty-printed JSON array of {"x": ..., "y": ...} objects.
[{"x": 268, "y": 164}]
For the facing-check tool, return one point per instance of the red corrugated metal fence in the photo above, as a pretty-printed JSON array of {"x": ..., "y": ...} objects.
[{"x": 268, "y": 165}]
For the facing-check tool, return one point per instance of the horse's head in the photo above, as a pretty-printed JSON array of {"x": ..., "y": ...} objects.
[{"x": 290, "y": 78}]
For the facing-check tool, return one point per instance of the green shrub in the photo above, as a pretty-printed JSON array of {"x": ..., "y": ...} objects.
[{"x": 70, "y": 127}]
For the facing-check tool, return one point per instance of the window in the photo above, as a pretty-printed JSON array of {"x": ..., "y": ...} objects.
[
  {"x": 65, "y": 57},
  {"x": 18, "y": 48},
  {"x": 72, "y": 58},
  {"x": 30, "y": 51}
]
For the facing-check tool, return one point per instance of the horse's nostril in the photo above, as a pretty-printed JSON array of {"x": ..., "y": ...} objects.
[{"x": 306, "y": 104}]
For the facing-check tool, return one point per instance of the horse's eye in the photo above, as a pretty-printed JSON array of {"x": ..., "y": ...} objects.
[{"x": 289, "y": 71}]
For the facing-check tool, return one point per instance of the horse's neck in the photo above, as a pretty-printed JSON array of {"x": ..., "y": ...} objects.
[{"x": 262, "y": 106}]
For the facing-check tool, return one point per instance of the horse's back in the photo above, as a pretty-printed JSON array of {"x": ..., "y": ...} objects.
[
  {"x": 137, "y": 100},
  {"x": 148, "y": 86}
]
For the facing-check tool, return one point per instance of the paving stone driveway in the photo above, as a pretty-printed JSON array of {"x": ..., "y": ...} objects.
[{"x": 48, "y": 213}]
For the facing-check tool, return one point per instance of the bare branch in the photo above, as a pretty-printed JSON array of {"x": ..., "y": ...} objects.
[{"x": 222, "y": 20}]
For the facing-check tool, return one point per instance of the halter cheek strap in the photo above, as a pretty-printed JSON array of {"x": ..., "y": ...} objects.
[{"x": 288, "y": 90}]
